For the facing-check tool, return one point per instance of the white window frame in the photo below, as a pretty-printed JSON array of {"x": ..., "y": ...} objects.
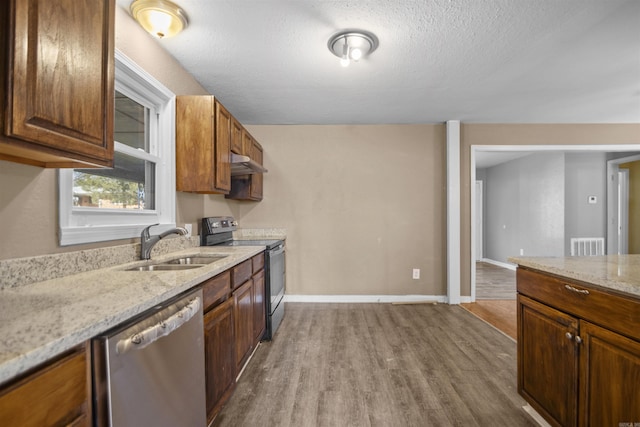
[{"x": 87, "y": 225}]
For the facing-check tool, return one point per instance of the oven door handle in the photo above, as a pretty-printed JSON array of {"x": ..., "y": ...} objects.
[{"x": 277, "y": 250}]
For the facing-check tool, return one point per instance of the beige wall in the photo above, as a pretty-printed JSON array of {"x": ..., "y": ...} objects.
[
  {"x": 524, "y": 134},
  {"x": 362, "y": 206}
]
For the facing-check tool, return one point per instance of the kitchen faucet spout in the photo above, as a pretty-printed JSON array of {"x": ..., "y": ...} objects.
[{"x": 147, "y": 241}]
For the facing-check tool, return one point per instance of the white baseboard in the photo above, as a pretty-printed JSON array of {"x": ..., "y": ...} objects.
[
  {"x": 366, "y": 298},
  {"x": 500, "y": 264}
]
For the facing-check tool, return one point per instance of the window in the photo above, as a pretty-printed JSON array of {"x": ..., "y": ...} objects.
[{"x": 108, "y": 204}]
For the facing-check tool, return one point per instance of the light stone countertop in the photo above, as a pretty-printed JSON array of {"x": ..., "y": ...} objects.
[
  {"x": 620, "y": 273},
  {"x": 41, "y": 320}
]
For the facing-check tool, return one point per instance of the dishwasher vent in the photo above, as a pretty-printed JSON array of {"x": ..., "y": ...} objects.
[{"x": 587, "y": 246}]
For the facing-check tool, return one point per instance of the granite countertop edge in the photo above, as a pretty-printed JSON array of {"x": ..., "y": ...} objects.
[
  {"x": 42, "y": 320},
  {"x": 619, "y": 273}
]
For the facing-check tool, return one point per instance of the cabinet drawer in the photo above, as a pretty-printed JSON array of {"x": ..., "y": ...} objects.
[
  {"x": 612, "y": 311},
  {"x": 241, "y": 273},
  {"x": 258, "y": 262},
  {"x": 215, "y": 289},
  {"x": 58, "y": 394}
]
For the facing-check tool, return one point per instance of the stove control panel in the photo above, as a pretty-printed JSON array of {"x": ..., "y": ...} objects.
[{"x": 218, "y": 224}]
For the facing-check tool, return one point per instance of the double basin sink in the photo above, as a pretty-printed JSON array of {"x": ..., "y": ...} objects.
[{"x": 182, "y": 263}]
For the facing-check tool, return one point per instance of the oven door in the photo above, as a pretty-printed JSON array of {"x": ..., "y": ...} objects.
[{"x": 276, "y": 276}]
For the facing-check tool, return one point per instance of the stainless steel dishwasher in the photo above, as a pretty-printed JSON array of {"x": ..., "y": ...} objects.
[{"x": 150, "y": 372}]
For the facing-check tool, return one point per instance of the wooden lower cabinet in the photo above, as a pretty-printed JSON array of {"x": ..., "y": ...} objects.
[
  {"x": 58, "y": 394},
  {"x": 259, "y": 307},
  {"x": 548, "y": 361},
  {"x": 234, "y": 322},
  {"x": 609, "y": 378},
  {"x": 578, "y": 355},
  {"x": 243, "y": 314},
  {"x": 220, "y": 361}
]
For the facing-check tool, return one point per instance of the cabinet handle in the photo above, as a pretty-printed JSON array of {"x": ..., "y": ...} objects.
[
  {"x": 578, "y": 339},
  {"x": 569, "y": 336},
  {"x": 576, "y": 290}
]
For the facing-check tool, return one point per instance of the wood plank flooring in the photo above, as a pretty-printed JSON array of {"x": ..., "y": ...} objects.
[
  {"x": 379, "y": 365},
  {"x": 494, "y": 282},
  {"x": 495, "y": 297},
  {"x": 500, "y": 313}
]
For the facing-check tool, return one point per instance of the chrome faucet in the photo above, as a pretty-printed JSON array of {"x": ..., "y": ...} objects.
[{"x": 147, "y": 242}]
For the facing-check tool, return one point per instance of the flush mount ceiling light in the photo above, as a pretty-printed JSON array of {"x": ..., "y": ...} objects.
[
  {"x": 161, "y": 18},
  {"x": 352, "y": 45}
]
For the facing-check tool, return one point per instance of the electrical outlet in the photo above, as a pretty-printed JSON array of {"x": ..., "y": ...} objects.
[
  {"x": 521, "y": 251},
  {"x": 416, "y": 273},
  {"x": 189, "y": 228}
]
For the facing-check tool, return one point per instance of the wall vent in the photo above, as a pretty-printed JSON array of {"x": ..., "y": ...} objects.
[{"x": 587, "y": 246}]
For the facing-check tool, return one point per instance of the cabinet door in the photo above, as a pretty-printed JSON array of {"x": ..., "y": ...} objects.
[
  {"x": 247, "y": 142},
  {"x": 256, "y": 179},
  {"x": 58, "y": 394},
  {"x": 220, "y": 361},
  {"x": 203, "y": 138},
  {"x": 60, "y": 82},
  {"x": 548, "y": 361},
  {"x": 223, "y": 149},
  {"x": 259, "y": 307},
  {"x": 609, "y": 378},
  {"x": 236, "y": 136},
  {"x": 195, "y": 155},
  {"x": 243, "y": 316}
]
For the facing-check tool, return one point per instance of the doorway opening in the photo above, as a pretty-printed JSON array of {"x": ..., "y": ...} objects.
[{"x": 522, "y": 150}]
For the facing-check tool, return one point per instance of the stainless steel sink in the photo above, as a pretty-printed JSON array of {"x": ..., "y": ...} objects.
[
  {"x": 164, "y": 267},
  {"x": 198, "y": 259},
  {"x": 176, "y": 264}
]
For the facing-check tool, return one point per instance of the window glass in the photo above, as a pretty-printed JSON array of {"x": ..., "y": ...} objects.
[
  {"x": 131, "y": 182},
  {"x": 131, "y": 123}
]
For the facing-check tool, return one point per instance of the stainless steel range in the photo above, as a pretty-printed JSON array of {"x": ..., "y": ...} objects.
[{"x": 218, "y": 231}]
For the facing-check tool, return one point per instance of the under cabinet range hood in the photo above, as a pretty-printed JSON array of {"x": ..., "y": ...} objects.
[{"x": 243, "y": 165}]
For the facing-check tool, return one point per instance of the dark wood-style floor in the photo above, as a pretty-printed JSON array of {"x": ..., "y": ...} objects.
[
  {"x": 494, "y": 282},
  {"x": 501, "y": 314},
  {"x": 379, "y": 365},
  {"x": 495, "y": 297}
]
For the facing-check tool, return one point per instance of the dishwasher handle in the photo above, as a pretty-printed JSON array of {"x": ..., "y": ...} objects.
[{"x": 162, "y": 328}]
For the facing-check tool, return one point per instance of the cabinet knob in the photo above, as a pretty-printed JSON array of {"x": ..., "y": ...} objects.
[
  {"x": 578, "y": 339},
  {"x": 569, "y": 335}
]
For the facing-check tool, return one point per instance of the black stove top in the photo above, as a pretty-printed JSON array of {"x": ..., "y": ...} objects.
[{"x": 218, "y": 231}]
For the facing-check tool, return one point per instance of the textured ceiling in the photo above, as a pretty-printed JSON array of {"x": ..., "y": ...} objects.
[{"x": 477, "y": 61}]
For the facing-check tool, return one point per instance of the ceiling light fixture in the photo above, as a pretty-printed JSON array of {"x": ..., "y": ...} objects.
[
  {"x": 352, "y": 45},
  {"x": 161, "y": 18}
]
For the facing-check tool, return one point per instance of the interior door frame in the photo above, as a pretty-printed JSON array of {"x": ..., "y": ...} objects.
[
  {"x": 531, "y": 148},
  {"x": 613, "y": 203}
]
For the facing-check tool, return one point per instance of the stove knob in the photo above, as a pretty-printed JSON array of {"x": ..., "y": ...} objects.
[{"x": 234, "y": 223}]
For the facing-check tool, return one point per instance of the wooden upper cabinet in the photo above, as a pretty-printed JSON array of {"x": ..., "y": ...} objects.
[
  {"x": 255, "y": 190},
  {"x": 247, "y": 142},
  {"x": 203, "y": 138},
  {"x": 236, "y": 137},
  {"x": 57, "y": 82},
  {"x": 248, "y": 187},
  {"x": 223, "y": 148}
]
